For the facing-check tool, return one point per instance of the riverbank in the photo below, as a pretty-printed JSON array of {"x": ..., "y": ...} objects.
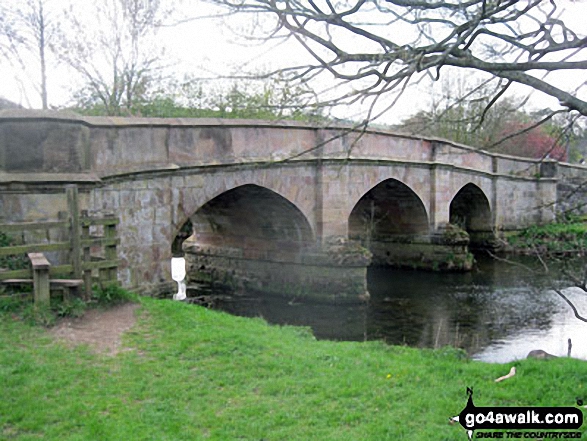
[
  {"x": 190, "y": 373},
  {"x": 555, "y": 239}
]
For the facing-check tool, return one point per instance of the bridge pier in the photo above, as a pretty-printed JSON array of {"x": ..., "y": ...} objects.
[
  {"x": 334, "y": 273},
  {"x": 445, "y": 250}
]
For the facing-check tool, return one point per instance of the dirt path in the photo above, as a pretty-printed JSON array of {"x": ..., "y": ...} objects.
[{"x": 100, "y": 329}]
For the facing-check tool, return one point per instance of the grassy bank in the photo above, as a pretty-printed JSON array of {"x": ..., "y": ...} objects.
[
  {"x": 559, "y": 238},
  {"x": 192, "y": 373}
]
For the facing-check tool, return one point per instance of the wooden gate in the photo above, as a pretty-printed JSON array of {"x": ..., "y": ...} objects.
[{"x": 90, "y": 243}]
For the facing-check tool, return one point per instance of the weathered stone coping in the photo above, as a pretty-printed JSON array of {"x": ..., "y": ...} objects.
[
  {"x": 43, "y": 177},
  {"x": 162, "y": 170}
]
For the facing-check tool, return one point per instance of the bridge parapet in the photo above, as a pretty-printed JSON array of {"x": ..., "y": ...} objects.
[
  {"x": 50, "y": 142},
  {"x": 572, "y": 189}
]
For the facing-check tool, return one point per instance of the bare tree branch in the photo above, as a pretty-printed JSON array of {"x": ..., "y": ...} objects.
[
  {"x": 116, "y": 58},
  {"x": 512, "y": 40},
  {"x": 571, "y": 304}
]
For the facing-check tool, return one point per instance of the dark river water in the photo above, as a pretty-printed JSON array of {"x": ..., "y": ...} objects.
[{"x": 497, "y": 313}]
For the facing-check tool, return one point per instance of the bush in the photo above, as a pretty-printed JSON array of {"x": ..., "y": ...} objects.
[
  {"x": 14, "y": 262},
  {"x": 69, "y": 308},
  {"x": 111, "y": 294}
]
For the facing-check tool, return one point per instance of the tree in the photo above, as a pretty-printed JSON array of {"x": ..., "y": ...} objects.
[
  {"x": 38, "y": 30},
  {"x": 29, "y": 28},
  {"x": 41, "y": 28},
  {"x": 267, "y": 98},
  {"x": 379, "y": 47},
  {"x": 116, "y": 56},
  {"x": 462, "y": 114},
  {"x": 457, "y": 113},
  {"x": 7, "y": 32},
  {"x": 263, "y": 97}
]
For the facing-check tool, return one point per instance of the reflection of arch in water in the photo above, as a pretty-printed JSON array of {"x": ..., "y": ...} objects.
[
  {"x": 470, "y": 210},
  {"x": 389, "y": 212},
  {"x": 254, "y": 219}
]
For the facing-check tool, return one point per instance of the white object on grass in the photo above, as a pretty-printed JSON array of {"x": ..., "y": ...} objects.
[{"x": 178, "y": 274}]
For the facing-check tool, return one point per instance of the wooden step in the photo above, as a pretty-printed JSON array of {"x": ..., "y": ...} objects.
[{"x": 69, "y": 283}]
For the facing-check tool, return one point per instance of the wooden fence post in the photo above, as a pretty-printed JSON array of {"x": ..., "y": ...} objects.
[
  {"x": 40, "y": 279},
  {"x": 110, "y": 252},
  {"x": 75, "y": 231},
  {"x": 87, "y": 259}
]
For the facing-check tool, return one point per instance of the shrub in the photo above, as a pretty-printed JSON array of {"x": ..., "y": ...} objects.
[
  {"x": 111, "y": 294},
  {"x": 14, "y": 262}
]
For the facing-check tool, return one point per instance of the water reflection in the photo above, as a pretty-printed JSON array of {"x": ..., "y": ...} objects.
[{"x": 495, "y": 313}]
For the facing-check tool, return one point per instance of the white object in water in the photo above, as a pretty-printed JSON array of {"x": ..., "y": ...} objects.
[{"x": 178, "y": 274}]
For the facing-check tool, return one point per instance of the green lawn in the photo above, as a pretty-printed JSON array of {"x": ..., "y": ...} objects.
[{"x": 197, "y": 374}]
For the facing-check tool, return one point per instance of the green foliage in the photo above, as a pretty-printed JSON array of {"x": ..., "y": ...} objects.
[
  {"x": 191, "y": 373},
  {"x": 455, "y": 234},
  {"x": 462, "y": 113},
  {"x": 38, "y": 315},
  {"x": 552, "y": 239},
  {"x": 22, "y": 306},
  {"x": 12, "y": 262},
  {"x": 267, "y": 99},
  {"x": 13, "y": 303},
  {"x": 111, "y": 294},
  {"x": 69, "y": 308}
]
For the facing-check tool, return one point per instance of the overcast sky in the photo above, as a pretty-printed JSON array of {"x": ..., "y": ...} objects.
[{"x": 213, "y": 47}]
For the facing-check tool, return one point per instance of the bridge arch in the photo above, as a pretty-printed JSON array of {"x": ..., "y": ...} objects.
[
  {"x": 470, "y": 209},
  {"x": 388, "y": 214},
  {"x": 192, "y": 191},
  {"x": 254, "y": 219}
]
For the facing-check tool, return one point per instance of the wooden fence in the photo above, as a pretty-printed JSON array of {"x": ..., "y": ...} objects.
[{"x": 91, "y": 257}]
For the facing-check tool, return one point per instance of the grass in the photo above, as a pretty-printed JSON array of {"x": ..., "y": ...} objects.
[
  {"x": 198, "y": 374},
  {"x": 18, "y": 303},
  {"x": 552, "y": 239}
]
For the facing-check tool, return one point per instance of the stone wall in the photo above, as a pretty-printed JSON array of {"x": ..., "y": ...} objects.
[{"x": 572, "y": 189}]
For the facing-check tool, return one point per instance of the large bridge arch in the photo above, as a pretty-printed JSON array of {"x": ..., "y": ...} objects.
[
  {"x": 253, "y": 219},
  {"x": 293, "y": 184}
]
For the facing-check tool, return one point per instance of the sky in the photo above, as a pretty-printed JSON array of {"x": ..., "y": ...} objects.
[{"x": 214, "y": 47}]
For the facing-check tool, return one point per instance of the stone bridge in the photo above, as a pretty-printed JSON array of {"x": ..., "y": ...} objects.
[{"x": 310, "y": 205}]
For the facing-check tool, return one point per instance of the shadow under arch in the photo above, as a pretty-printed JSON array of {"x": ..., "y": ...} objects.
[
  {"x": 388, "y": 214},
  {"x": 470, "y": 210},
  {"x": 186, "y": 230},
  {"x": 252, "y": 218}
]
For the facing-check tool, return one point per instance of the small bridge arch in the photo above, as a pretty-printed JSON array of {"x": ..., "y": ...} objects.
[
  {"x": 388, "y": 214},
  {"x": 470, "y": 209}
]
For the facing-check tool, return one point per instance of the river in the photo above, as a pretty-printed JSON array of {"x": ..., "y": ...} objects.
[{"x": 496, "y": 313}]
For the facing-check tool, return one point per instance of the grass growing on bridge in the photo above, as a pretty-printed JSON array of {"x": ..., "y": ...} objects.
[{"x": 193, "y": 373}]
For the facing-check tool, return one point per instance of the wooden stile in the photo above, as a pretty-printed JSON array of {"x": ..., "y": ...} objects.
[{"x": 79, "y": 270}]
